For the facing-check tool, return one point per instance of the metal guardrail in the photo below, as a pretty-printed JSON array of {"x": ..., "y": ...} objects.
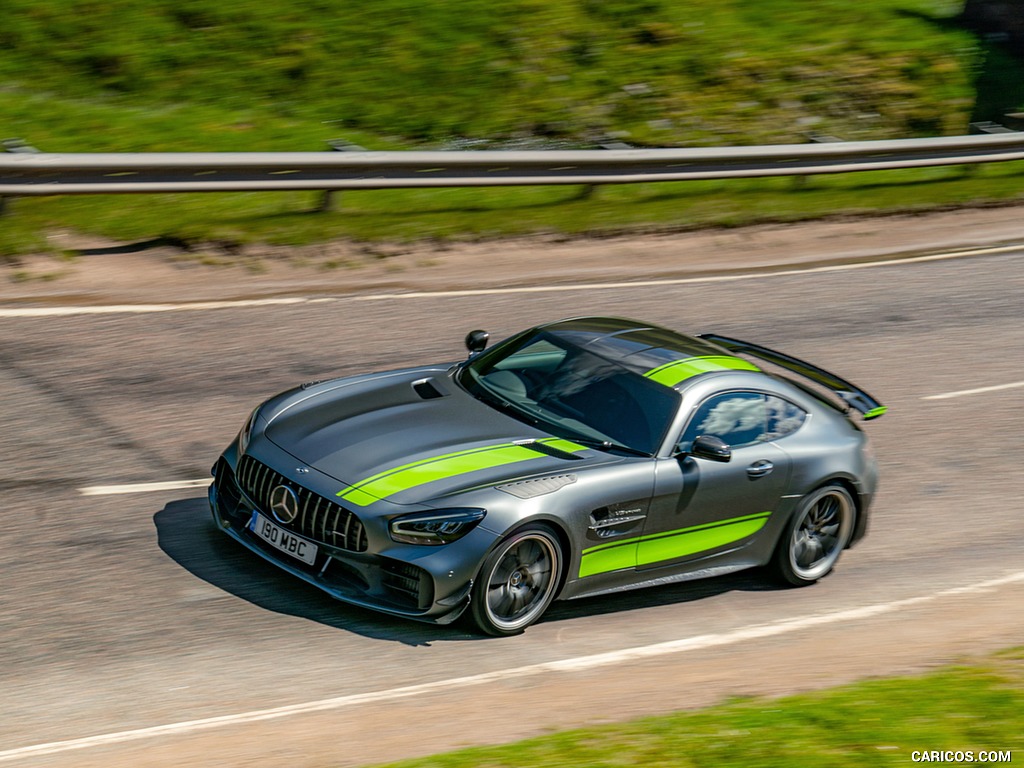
[{"x": 23, "y": 174}]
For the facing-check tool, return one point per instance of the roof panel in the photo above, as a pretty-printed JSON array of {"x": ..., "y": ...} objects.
[{"x": 638, "y": 346}]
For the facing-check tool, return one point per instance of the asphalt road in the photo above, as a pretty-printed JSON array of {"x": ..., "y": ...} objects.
[{"x": 128, "y": 611}]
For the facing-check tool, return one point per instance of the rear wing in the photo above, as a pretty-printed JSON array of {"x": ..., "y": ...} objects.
[{"x": 853, "y": 396}]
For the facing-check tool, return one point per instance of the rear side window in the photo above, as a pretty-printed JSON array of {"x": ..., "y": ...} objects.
[
  {"x": 743, "y": 418},
  {"x": 784, "y": 418}
]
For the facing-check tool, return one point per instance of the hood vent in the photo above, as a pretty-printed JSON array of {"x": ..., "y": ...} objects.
[
  {"x": 426, "y": 389},
  {"x": 528, "y": 489},
  {"x": 548, "y": 450}
]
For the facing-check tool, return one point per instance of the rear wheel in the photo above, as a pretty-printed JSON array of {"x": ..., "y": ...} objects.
[
  {"x": 816, "y": 536},
  {"x": 517, "y": 581}
]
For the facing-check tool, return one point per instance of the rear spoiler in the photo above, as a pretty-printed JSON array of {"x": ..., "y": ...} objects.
[{"x": 853, "y": 396}]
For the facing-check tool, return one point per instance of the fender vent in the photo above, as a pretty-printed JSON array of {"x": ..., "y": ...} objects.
[{"x": 528, "y": 489}]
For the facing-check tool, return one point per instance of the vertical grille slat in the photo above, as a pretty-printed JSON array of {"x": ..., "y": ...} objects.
[
  {"x": 332, "y": 528},
  {"x": 319, "y": 518},
  {"x": 257, "y": 486},
  {"x": 344, "y": 535},
  {"x": 317, "y": 512},
  {"x": 265, "y": 487},
  {"x": 309, "y": 515},
  {"x": 323, "y": 525},
  {"x": 300, "y": 518}
]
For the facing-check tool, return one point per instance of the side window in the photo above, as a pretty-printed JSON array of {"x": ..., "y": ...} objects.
[
  {"x": 784, "y": 418},
  {"x": 743, "y": 418},
  {"x": 738, "y": 418}
]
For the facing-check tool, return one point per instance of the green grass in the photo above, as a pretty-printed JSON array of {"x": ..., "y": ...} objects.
[
  {"x": 188, "y": 75},
  {"x": 666, "y": 72},
  {"x": 978, "y": 707}
]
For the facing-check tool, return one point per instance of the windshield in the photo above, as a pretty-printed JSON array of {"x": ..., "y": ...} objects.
[{"x": 572, "y": 393}]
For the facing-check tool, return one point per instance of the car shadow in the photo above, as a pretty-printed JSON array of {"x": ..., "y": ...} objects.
[
  {"x": 668, "y": 594},
  {"x": 187, "y": 534}
]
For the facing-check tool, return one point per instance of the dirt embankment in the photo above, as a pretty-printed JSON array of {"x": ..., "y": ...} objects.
[{"x": 104, "y": 272}]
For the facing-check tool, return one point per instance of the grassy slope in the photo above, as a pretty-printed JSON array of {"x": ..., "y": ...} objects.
[
  {"x": 188, "y": 75},
  {"x": 699, "y": 72},
  {"x": 878, "y": 723}
]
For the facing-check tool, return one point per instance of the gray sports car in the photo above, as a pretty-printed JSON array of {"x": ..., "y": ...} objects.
[{"x": 582, "y": 457}]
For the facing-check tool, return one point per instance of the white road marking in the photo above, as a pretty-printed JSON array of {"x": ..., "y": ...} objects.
[
  {"x": 172, "y": 485},
  {"x": 978, "y": 391},
  {"x": 578, "y": 664},
  {"x": 557, "y": 288}
]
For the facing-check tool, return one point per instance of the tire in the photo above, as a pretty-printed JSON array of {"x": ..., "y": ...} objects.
[
  {"x": 815, "y": 537},
  {"x": 517, "y": 581}
]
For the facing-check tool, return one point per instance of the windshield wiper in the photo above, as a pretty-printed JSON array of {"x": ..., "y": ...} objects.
[{"x": 608, "y": 445}]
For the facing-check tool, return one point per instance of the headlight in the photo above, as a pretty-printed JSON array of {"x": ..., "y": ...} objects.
[
  {"x": 434, "y": 528},
  {"x": 246, "y": 433}
]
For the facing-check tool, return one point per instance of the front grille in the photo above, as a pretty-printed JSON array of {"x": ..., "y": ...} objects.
[{"x": 319, "y": 519}]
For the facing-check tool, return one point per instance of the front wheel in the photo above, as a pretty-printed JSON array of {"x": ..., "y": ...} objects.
[
  {"x": 815, "y": 537},
  {"x": 517, "y": 582}
]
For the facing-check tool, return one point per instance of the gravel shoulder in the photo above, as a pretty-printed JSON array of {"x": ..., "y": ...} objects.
[{"x": 103, "y": 272}]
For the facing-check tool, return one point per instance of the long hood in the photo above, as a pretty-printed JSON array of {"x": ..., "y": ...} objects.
[{"x": 413, "y": 436}]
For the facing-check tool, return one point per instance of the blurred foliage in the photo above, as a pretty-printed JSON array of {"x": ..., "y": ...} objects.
[
  {"x": 190, "y": 75},
  {"x": 699, "y": 72}
]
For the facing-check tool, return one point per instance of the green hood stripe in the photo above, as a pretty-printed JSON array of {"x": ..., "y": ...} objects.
[
  {"x": 677, "y": 371},
  {"x": 424, "y": 471},
  {"x": 647, "y": 550}
]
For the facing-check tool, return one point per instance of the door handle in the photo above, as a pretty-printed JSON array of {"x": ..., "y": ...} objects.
[{"x": 760, "y": 468}]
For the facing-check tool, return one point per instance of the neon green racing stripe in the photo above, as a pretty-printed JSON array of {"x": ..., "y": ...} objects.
[
  {"x": 402, "y": 478},
  {"x": 657, "y": 547},
  {"x": 874, "y": 413},
  {"x": 676, "y": 371}
]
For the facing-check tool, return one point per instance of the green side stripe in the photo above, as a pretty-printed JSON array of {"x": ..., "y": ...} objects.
[
  {"x": 424, "y": 471},
  {"x": 647, "y": 550},
  {"x": 676, "y": 371},
  {"x": 874, "y": 413}
]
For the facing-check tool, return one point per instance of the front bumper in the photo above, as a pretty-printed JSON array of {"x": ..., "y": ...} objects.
[{"x": 423, "y": 583}]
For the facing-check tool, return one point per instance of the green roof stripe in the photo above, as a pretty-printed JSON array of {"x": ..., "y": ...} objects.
[
  {"x": 417, "y": 473},
  {"x": 677, "y": 371}
]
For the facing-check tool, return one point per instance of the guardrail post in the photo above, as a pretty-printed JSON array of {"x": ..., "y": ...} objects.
[
  {"x": 799, "y": 182},
  {"x": 329, "y": 198},
  {"x": 587, "y": 190},
  {"x": 14, "y": 145},
  {"x": 980, "y": 129}
]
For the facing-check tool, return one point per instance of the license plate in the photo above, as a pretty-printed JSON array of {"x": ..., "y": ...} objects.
[{"x": 286, "y": 541}]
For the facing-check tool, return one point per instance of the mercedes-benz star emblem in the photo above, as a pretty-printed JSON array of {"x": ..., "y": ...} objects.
[{"x": 284, "y": 504}]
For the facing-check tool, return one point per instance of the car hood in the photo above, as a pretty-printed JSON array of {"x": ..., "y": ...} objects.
[{"x": 413, "y": 436}]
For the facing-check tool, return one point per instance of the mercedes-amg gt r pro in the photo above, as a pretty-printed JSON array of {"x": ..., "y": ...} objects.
[{"x": 581, "y": 457}]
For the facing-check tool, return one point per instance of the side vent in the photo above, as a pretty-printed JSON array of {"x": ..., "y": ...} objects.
[
  {"x": 528, "y": 489},
  {"x": 426, "y": 389}
]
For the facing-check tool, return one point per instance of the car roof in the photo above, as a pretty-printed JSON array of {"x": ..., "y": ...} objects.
[{"x": 657, "y": 353}]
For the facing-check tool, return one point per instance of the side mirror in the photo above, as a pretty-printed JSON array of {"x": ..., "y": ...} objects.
[
  {"x": 711, "y": 448},
  {"x": 476, "y": 341}
]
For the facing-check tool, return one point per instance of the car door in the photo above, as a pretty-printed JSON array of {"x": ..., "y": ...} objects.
[{"x": 702, "y": 507}]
